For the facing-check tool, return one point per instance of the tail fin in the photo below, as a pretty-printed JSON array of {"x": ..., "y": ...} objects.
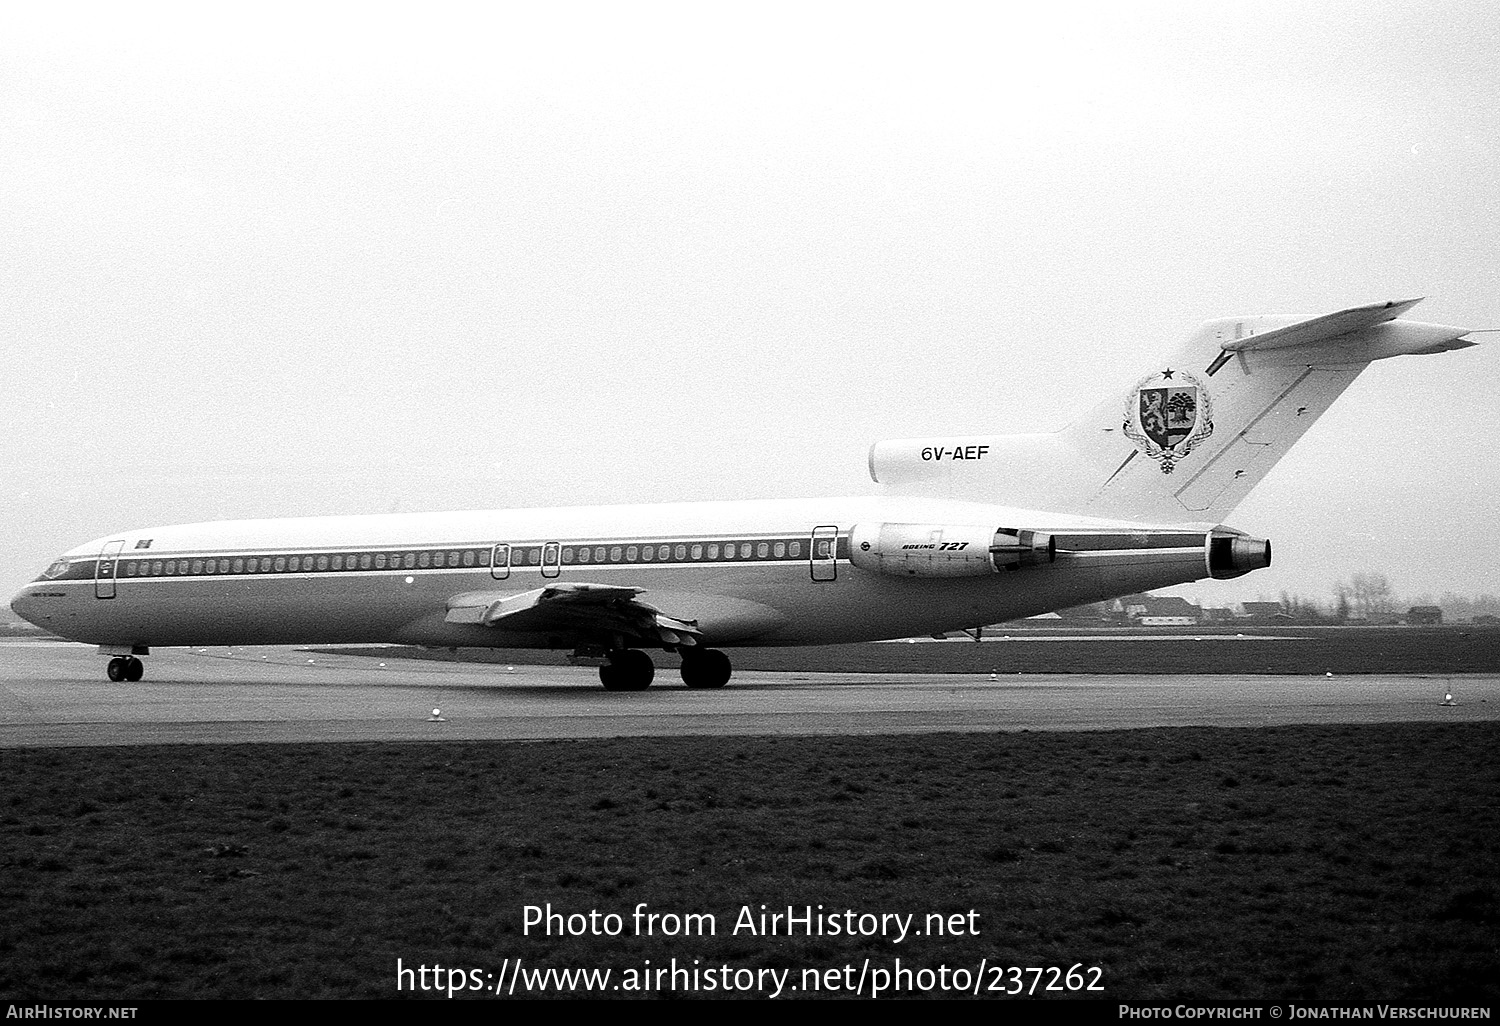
[{"x": 1191, "y": 438}]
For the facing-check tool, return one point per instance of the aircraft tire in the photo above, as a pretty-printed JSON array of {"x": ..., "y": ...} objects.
[
  {"x": 134, "y": 669},
  {"x": 638, "y": 668},
  {"x": 630, "y": 670},
  {"x": 611, "y": 678},
  {"x": 708, "y": 668},
  {"x": 115, "y": 671}
]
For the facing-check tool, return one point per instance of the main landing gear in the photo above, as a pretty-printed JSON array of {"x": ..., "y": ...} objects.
[
  {"x": 127, "y": 668},
  {"x": 628, "y": 669},
  {"x": 631, "y": 669},
  {"x": 705, "y": 668}
]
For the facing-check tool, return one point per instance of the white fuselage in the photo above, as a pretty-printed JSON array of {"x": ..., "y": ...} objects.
[{"x": 747, "y": 573}]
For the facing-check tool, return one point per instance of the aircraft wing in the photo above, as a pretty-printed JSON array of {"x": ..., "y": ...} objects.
[{"x": 574, "y": 606}]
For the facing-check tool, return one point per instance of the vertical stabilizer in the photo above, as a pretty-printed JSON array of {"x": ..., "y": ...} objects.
[{"x": 1190, "y": 438}]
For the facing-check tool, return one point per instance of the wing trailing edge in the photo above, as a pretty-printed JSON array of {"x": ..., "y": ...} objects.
[{"x": 574, "y": 607}]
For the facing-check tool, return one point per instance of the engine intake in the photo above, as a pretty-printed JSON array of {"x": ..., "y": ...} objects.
[{"x": 946, "y": 550}]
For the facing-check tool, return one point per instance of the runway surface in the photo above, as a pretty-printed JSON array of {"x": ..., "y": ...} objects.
[{"x": 55, "y": 694}]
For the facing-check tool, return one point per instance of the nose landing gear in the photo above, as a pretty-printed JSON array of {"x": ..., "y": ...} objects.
[{"x": 126, "y": 668}]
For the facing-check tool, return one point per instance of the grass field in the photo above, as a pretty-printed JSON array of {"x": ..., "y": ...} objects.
[{"x": 1317, "y": 863}]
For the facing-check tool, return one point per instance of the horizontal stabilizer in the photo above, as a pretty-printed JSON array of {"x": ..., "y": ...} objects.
[
  {"x": 1322, "y": 329},
  {"x": 1446, "y": 346}
]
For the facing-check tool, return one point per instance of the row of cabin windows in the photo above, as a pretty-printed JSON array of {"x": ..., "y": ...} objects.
[
  {"x": 306, "y": 564},
  {"x": 679, "y": 552},
  {"x": 530, "y": 555}
]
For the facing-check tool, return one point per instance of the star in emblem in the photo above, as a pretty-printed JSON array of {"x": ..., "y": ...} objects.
[{"x": 1167, "y": 374}]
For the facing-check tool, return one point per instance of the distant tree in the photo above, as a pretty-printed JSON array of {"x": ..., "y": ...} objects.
[
  {"x": 1299, "y": 608},
  {"x": 1365, "y": 595},
  {"x": 1343, "y": 601},
  {"x": 1457, "y": 608}
]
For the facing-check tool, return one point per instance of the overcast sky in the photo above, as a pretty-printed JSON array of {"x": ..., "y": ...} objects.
[{"x": 265, "y": 260}]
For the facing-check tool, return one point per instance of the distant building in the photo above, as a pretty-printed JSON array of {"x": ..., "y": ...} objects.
[
  {"x": 1488, "y": 619},
  {"x": 1424, "y": 615},
  {"x": 1150, "y": 609},
  {"x": 1263, "y": 612},
  {"x": 1094, "y": 612}
]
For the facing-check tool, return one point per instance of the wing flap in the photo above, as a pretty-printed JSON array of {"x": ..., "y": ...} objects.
[
  {"x": 1322, "y": 329},
  {"x": 576, "y": 607}
]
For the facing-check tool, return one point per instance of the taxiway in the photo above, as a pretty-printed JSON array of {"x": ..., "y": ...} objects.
[{"x": 54, "y": 694}]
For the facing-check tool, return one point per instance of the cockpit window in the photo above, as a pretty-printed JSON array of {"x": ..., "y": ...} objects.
[{"x": 66, "y": 569}]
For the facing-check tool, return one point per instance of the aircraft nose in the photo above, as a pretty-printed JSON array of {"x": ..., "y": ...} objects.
[{"x": 24, "y": 606}]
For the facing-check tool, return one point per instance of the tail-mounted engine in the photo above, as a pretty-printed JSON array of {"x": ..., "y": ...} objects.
[
  {"x": 967, "y": 550},
  {"x": 1231, "y": 554},
  {"x": 946, "y": 550}
]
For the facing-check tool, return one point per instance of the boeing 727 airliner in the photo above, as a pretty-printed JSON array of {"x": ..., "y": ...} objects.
[{"x": 967, "y": 531}]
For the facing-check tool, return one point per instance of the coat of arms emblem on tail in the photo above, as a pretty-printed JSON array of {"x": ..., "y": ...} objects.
[{"x": 1167, "y": 415}]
